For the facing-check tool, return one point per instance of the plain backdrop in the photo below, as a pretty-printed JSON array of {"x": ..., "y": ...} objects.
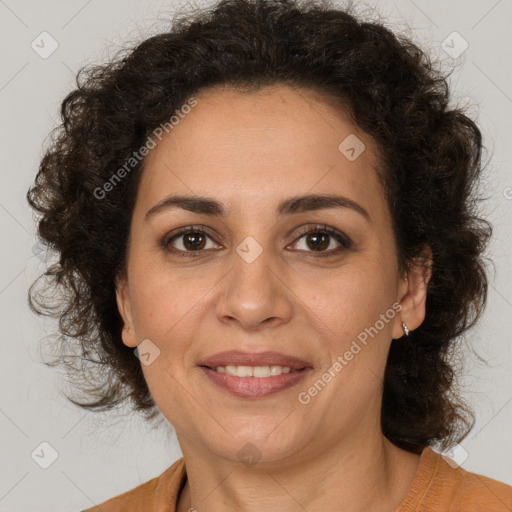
[{"x": 98, "y": 456}]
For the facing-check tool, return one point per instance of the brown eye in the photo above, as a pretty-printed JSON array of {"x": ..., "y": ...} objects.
[
  {"x": 318, "y": 241},
  {"x": 194, "y": 241},
  {"x": 187, "y": 242},
  {"x": 323, "y": 240}
]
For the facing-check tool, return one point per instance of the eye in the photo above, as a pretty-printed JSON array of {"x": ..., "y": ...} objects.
[
  {"x": 187, "y": 241},
  {"x": 191, "y": 241},
  {"x": 320, "y": 238}
]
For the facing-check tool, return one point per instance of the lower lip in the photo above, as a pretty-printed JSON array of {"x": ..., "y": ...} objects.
[{"x": 254, "y": 387}]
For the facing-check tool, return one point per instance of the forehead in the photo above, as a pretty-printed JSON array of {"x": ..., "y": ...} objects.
[{"x": 242, "y": 146}]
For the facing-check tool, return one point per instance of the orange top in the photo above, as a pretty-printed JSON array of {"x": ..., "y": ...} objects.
[{"x": 437, "y": 487}]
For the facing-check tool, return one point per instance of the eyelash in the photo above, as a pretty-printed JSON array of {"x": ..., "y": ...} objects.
[{"x": 344, "y": 241}]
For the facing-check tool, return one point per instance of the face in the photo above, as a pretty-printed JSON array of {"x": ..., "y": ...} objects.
[{"x": 263, "y": 271}]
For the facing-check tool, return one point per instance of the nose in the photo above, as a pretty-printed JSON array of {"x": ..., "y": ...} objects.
[{"x": 254, "y": 294}]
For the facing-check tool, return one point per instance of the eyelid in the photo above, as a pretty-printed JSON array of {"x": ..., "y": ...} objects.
[
  {"x": 193, "y": 228},
  {"x": 320, "y": 228},
  {"x": 344, "y": 242}
]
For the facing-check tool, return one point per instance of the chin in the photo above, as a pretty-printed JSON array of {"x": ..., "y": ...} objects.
[{"x": 257, "y": 445}]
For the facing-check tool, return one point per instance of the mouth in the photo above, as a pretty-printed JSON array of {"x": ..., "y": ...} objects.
[
  {"x": 247, "y": 375},
  {"x": 259, "y": 372},
  {"x": 254, "y": 387},
  {"x": 238, "y": 358}
]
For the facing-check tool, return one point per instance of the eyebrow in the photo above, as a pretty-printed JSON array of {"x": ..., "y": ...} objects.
[{"x": 293, "y": 205}]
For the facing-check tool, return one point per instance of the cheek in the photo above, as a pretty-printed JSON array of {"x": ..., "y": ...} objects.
[
  {"x": 348, "y": 309},
  {"x": 168, "y": 300},
  {"x": 349, "y": 299}
]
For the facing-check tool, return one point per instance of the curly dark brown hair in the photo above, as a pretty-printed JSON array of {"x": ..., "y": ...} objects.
[{"x": 431, "y": 161}]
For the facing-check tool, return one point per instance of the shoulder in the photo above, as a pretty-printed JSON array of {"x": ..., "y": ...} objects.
[
  {"x": 151, "y": 496},
  {"x": 477, "y": 492},
  {"x": 440, "y": 484}
]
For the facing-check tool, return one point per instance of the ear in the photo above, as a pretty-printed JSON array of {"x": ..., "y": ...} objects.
[
  {"x": 125, "y": 310},
  {"x": 413, "y": 293}
]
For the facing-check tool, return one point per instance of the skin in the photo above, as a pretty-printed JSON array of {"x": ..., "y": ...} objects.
[{"x": 250, "y": 151}]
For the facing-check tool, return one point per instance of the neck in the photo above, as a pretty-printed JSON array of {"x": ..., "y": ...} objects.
[{"x": 373, "y": 475}]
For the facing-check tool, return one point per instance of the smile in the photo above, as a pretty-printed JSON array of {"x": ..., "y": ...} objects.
[
  {"x": 253, "y": 371},
  {"x": 254, "y": 381}
]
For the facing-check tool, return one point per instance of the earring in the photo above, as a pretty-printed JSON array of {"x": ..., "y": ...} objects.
[{"x": 406, "y": 330}]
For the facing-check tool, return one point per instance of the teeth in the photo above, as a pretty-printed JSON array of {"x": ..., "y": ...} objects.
[{"x": 254, "y": 371}]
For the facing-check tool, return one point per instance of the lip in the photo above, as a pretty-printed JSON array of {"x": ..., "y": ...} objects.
[
  {"x": 254, "y": 387},
  {"x": 241, "y": 358}
]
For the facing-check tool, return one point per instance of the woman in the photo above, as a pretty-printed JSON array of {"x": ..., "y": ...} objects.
[{"x": 267, "y": 233}]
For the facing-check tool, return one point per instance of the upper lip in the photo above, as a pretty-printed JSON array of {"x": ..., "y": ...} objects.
[{"x": 240, "y": 358}]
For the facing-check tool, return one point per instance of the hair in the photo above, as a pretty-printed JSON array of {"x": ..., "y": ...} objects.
[{"x": 430, "y": 156}]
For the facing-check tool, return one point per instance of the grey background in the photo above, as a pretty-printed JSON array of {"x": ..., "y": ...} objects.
[{"x": 102, "y": 455}]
